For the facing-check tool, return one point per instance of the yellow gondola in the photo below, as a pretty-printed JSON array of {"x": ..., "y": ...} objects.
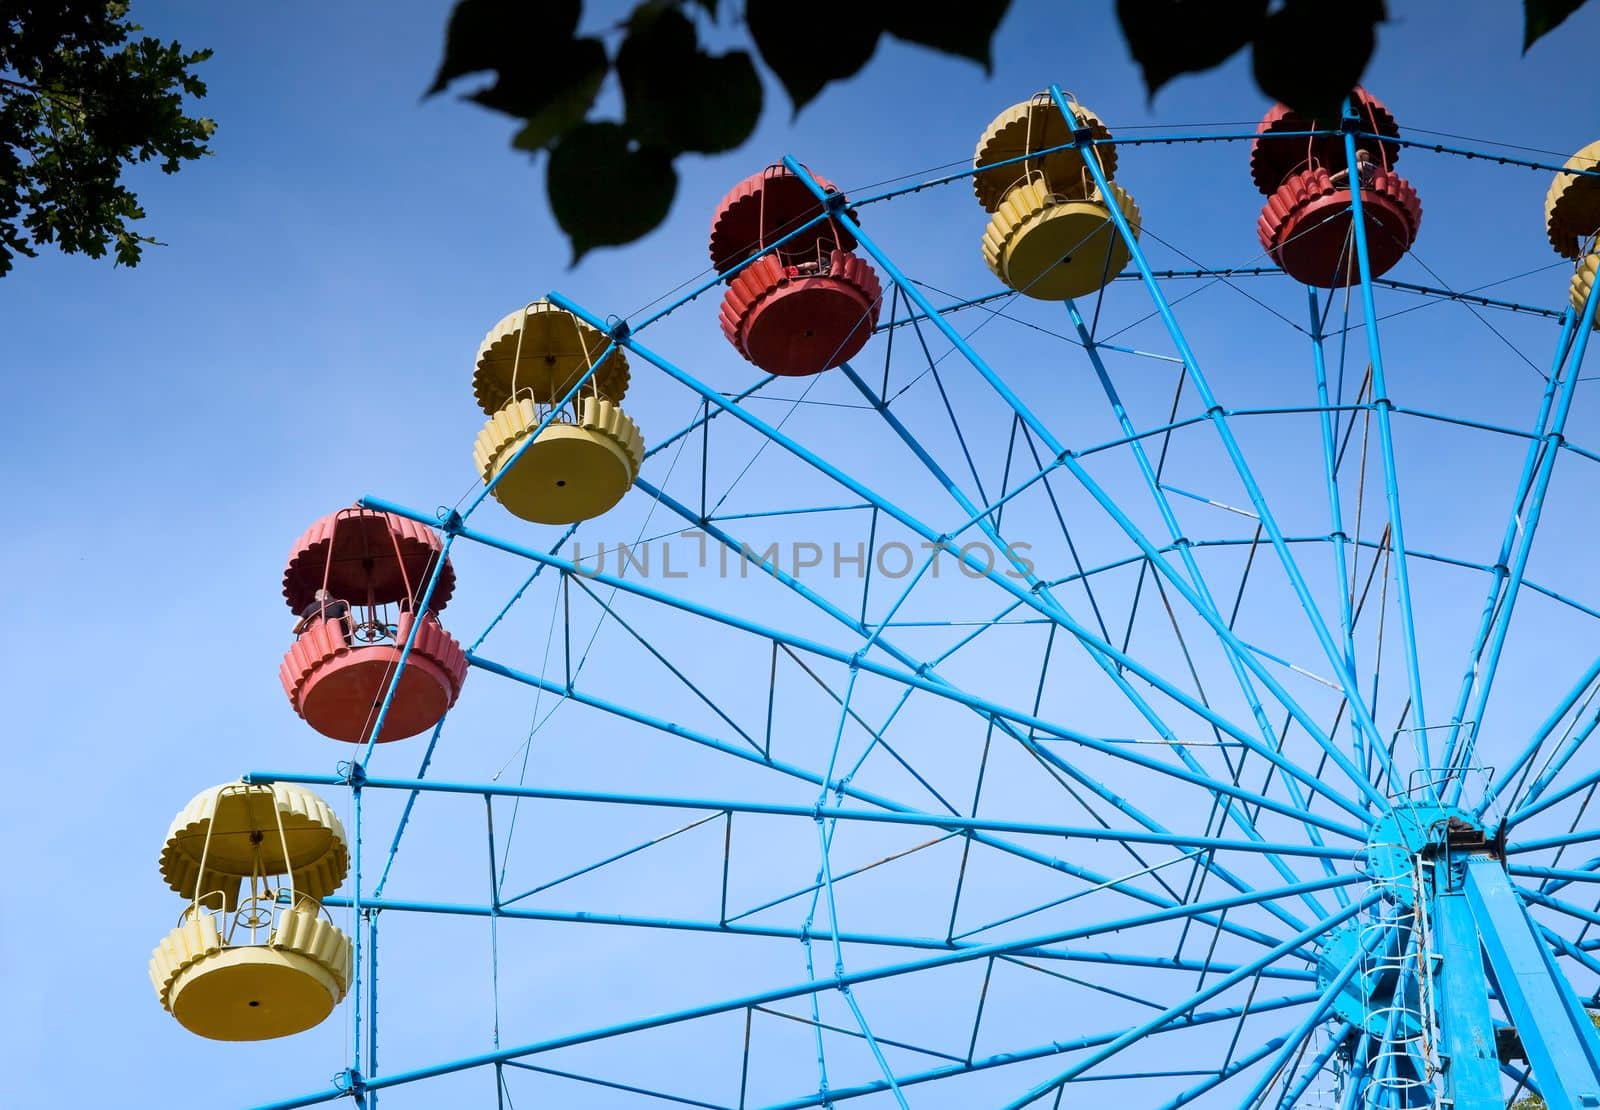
[
  {"x": 1572, "y": 206},
  {"x": 1053, "y": 246},
  {"x": 253, "y": 956},
  {"x": 1050, "y": 235},
  {"x": 1036, "y": 124},
  {"x": 589, "y": 455}
]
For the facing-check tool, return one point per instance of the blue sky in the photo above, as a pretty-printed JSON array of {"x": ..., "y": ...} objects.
[{"x": 305, "y": 337}]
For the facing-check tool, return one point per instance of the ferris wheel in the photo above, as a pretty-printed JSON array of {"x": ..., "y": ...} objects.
[{"x": 1004, "y": 700}]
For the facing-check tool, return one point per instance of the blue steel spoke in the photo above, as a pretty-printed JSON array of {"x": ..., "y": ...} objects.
[
  {"x": 1204, "y": 995},
  {"x": 718, "y": 806},
  {"x": 786, "y": 932},
  {"x": 1549, "y": 885},
  {"x": 1178, "y": 539},
  {"x": 1071, "y": 463},
  {"x": 888, "y": 971},
  {"x": 1579, "y": 730},
  {"x": 705, "y": 699},
  {"x": 1559, "y": 877},
  {"x": 1292, "y": 1093},
  {"x": 1527, "y": 523},
  {"x": 628, "y": 1088},
  {"x": 854, "y": 1033},
  {"x": 1551, "y": 722},
  {"x": 911, "y": 678},
  {"x": 1589, "y": 917},
  {"x": 1319, "y": 1010},
  {"x": 613, "y": 858},
  {"x": 1215, "y": 413},
  {"x": 1055, "y": 1048},
  {"x": 1326, "y": 420},
  {"x": 1003, "y": 845},
  {"x": 1026, "y": 596},
  {"x": 1106, "y": 664}
]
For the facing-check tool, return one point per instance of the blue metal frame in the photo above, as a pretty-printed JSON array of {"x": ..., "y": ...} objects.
[
  {"x": 1560, "y": 1040},
  {"x": 1472, "y": 1068},
  {"x": 1477, "y": 910}
]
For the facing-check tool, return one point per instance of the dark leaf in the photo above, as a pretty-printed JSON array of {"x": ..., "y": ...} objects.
[
  {"x": 567, "y": 108},
  {"x": 551, "y": 97},
  {"x": 807, "y": 50},
  {"x": 680, "y": 98},
  {"x": 605, "y": 190},
  {"x": 1172, "y": 37},
  {"x": 965, "y": 30},
  {"x": 504, "y": 35},
  {"x": 1310, "y": 54},
  {"x": 1540, "y": 17}
]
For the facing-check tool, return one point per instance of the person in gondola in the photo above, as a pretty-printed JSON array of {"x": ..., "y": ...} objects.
[
  {"x": 1366, "y": 170},
  {"x": 323, "y": 606}
]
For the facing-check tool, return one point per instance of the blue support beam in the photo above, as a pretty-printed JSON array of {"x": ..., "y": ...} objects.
[
  {"x": 939, "y": 689},
  {"x": 1391, "y": 483},
  {"x": 821, "y": 810},
  {"x": 1069, "y": 462},
  {"x": 1360, "y": 713},
  {"x": 1560, "y": 1040},
  {"x": 1174, "y": 1015},
  {"x": 1472, "y": 1065}
]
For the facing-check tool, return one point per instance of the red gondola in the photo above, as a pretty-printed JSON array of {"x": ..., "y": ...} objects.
[
  {"x": 807, "y": 306},
  {"x": 1306, "y": 225},
  {"x": 355, "y": 578}
]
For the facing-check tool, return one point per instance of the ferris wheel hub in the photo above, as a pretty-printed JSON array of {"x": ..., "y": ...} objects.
[{"x": 1407, "y": 834}]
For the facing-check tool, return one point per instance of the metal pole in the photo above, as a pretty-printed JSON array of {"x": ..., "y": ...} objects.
[
  {"x": 940, "y": 689},
  {"x": 829, "y": 812},
  {"x": 1172, "y": 1012},
  {"x": 855, "y": 978}
]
